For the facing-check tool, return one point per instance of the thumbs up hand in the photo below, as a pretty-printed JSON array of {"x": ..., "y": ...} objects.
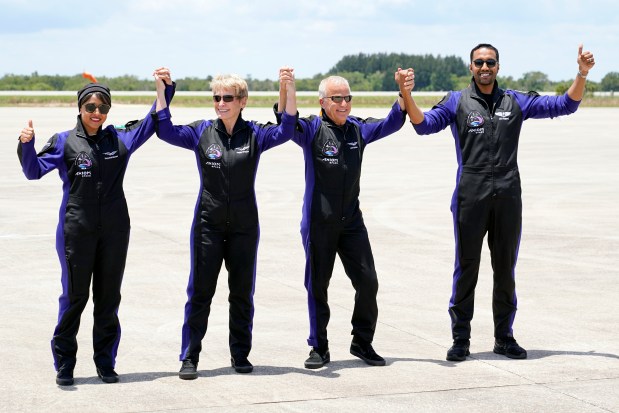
[
  {"x": 585, "y": 60},
  {"x": 27, "y": 133}
]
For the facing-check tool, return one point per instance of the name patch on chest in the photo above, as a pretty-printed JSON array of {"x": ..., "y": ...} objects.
[
  {"x": 215, "y": 165},
  {"x": 110, "y": 155},
  {"x": 243, "y": 149},
  {"x": 503, "y": 115}
]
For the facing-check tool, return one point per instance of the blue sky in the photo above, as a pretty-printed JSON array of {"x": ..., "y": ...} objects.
[{"x": 256, "y": 37}]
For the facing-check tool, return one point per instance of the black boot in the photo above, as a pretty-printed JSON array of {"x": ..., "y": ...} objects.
[{"x": 459, "y": 350}]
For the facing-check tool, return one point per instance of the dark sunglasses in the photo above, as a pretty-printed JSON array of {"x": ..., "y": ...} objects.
[
  {"x": 480, "y": 63},
  {"x": 339, "y": 99},
  {"x": 91, "y": 107},
  {"x": 226, "y": 98}
]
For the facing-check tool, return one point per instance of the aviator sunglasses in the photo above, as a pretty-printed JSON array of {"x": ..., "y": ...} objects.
[
  {"x": 339, "y": 99},
  {"x": 226, "y": 98},
  {"x": 490, "y": 63},
  {"x": 91, "y": 107}
]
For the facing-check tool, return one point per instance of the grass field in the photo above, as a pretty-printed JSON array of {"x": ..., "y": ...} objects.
[{"x": 257, "y": 101}]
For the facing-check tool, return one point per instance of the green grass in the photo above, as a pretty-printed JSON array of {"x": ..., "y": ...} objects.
[{"x": 256, "y": 101}]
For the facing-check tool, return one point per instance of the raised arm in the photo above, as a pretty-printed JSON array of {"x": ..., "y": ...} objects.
[
  {"x": 281, "y": 102},
  {"x": 585, "y": 62},
  {"x": 27, "y": 133},
  {"x": 287, "y": 84},
  {"x": 135, "y": 134},
  {"x": 405, "y": 78},
  {"x": 271, "y": 136},
  {"x": 185, "y": 136},
  {"x": 36, "y": 165},
  {"x": 162, "y": 77}
]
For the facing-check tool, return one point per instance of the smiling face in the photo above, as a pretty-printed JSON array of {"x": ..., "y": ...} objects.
[
  {"x": 92, "y": 121},
  {"x": 228, "y": 112},
  {"x": 337, "y": 112},
  {"x": 484, "y": 76}
]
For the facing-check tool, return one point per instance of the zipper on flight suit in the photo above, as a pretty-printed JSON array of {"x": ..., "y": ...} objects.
[
  {"x": 491, "y": 143},
  {"x": 228, "y": 149},
  {"x": 344, "y": 130},
  {"x": 99, "y": 181},
  {"x": 492, "y": 150}
]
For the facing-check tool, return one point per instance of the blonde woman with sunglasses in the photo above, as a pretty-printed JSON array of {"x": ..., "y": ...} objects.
[
  {"x": 225, "y": 226},
  {"x": 92, "y": 236}
]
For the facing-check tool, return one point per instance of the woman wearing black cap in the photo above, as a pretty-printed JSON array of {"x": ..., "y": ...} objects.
[{"x": 93, "y": 230}]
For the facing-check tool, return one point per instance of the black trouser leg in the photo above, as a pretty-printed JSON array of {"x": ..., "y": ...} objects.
[
  {"x": 240, "y": 259},
  {"x": 356, "y": 255},
  {"x": 106, "y": 285},
  {"x": 503, "y": 241},
  {"x": 320, "y": 258},
  {"x": 471, "y": 222},
  {"x": 206, "y": 257},
  {"x": 79, "y": 258}
]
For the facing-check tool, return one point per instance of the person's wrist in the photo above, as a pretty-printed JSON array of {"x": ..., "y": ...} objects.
[
  {"x": 583, "y": 73},
  {"x": 400, "y": 94}
]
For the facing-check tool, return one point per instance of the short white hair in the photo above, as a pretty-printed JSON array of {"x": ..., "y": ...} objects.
[{"x": 331, "y": 80}]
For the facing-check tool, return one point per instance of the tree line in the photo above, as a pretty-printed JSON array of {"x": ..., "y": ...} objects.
[{"x": 365, "y": 72}]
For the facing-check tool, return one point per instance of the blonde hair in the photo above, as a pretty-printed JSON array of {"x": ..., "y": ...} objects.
[{"x": 231, "y": 81}]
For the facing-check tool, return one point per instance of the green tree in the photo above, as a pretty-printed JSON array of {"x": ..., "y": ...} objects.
[
  {"x": 536, "y": 81},
  {"x": 193, "y": 84},
  {"x": 381, "y": 66},
  {"x": 460, "y": 82},
  {"x": 441, "y": 80},
  {"x": 610, "y": 82},
  {"x": 509, "y": 83},
  {"x": 309, "y": 84},
  {"x": 562, "y": 87}
]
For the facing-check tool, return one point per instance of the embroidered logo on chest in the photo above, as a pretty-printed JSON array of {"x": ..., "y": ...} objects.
[
  {"x": 214, "y": 152},
  {"x": 83, "y": 161},
  {"x": 330, "y": 148},
  {"x": 475, "y": 119},
  {"x": 84, "y": 164}
]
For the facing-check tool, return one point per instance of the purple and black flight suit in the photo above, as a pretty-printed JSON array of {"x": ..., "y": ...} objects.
[
  {"x": 225, "y": 225},
  {"x": 487, "y": 197},
  {"x": 92, "y": 236},
  {"x": 332, "y": 222}
]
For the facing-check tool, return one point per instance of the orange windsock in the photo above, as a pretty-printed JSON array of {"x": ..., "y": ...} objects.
[{"x": 90, "y": 77}]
